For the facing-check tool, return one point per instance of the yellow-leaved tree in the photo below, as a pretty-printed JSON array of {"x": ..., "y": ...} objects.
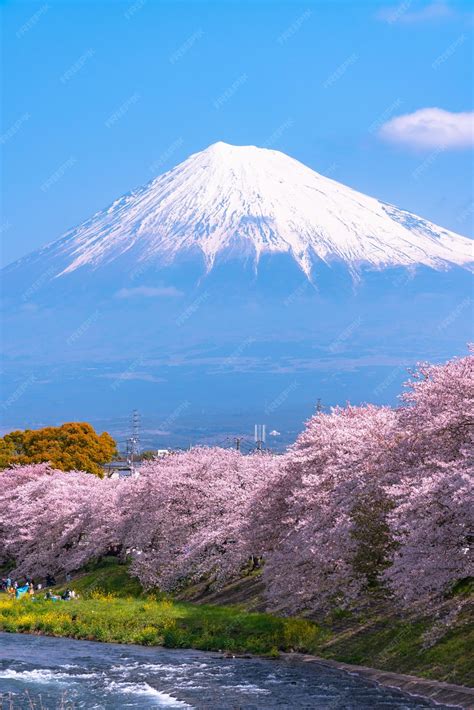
[{"x": 75, "y": 445}]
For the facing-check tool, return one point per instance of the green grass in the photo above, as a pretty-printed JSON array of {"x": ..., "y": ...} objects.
[
  {"x": 396, "y": 645},
  {"x": 159, "y": 622},
  {"x": 114, "y": 608},
  {"x": 108, "y": 577}
]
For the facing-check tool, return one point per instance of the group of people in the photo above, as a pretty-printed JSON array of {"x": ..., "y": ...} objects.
[
  {"x": 66, "y": 596},
  {"x": 16, "y": 589}
]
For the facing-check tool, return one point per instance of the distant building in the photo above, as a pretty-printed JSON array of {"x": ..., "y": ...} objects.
[
  {"x": 123, "y": 468},
  {"x": 120, "y": 469}
]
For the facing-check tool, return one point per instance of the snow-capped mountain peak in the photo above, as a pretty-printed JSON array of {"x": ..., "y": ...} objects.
[{"x": 247, "y": 201}]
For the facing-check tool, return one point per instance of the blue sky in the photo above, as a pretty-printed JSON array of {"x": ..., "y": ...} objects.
[{"x": 101, "y": 97}]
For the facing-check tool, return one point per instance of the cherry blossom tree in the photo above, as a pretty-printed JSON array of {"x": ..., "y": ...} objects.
[
  {"x": 335, "y": 470},
  {"x": 438, "y": 412},
  {"x": 433, "y": 522},
  {"x": 53, "y": 522},
  {"x": 189, "y": 510},
  {"x": 432, "y": 519},
  {"x": 11, "y": 482}
]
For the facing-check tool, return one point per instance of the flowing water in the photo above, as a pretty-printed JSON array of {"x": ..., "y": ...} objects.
[{"x": 38, "y": 672}]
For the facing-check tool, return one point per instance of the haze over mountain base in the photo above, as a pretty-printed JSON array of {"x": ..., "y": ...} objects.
[{"x": 211, "y": 363}]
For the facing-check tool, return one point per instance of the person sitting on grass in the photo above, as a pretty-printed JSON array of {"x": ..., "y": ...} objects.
[{"x": 49, "y": 596}]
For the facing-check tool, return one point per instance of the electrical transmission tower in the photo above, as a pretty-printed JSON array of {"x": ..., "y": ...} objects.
[{"x": 133, "y": 441}]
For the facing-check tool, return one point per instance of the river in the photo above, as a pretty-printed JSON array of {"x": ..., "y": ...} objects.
[{"x": 39, "y": 672}]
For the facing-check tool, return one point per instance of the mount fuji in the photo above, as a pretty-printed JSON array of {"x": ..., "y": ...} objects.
[
  {"x": 245, "y": 201},
  {"x": 241, "y": 283}
]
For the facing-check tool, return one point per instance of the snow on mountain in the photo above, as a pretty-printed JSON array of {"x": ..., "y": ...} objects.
[{"x": 247, "y": 201}]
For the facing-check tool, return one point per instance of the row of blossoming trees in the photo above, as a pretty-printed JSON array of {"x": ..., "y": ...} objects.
[{"x": 368, "y": 498}]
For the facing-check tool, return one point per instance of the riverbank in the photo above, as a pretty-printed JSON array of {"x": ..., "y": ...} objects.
[
  {"x": 434, "y": 645},
  {"x": 150, "y": 622},
  {"x": 383, "y": 643},
  {"x": 442, "y": 693},
  {"x": 57, "y": 673},
  {"x": 153, "y": 622},
  {"x": 113, "y": 607}
]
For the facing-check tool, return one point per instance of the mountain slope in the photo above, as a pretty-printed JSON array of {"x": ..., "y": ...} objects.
[
  {"x": 237, "y": 288},
  {"x": 246, "y": 201}
]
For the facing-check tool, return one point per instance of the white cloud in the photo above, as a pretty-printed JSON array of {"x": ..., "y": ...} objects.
[
  {"x": 149, "y": 292},
  {"x": 144, "y": 376},
  {"x": 405, "y": 12},
  {"x": 431, "y": 128}
]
